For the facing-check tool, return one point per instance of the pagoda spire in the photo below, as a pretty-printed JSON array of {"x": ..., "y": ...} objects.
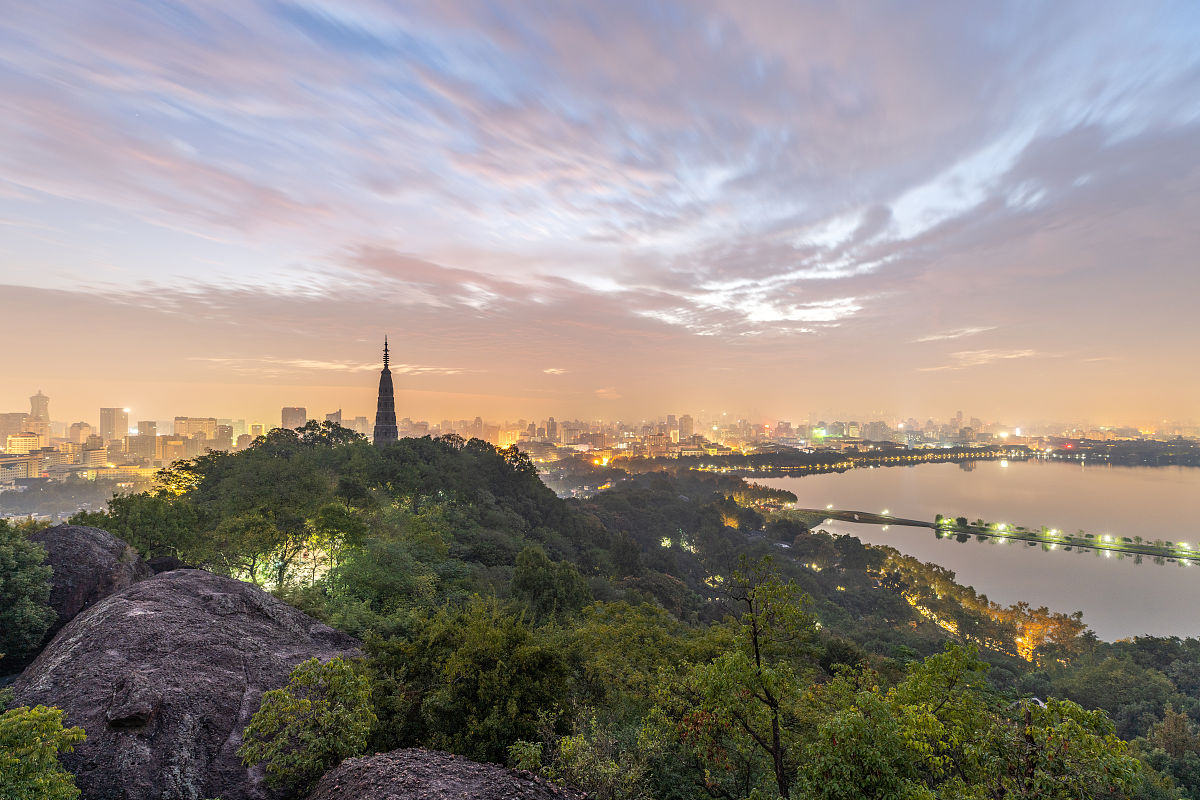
[{"x": 385, "y": 409}]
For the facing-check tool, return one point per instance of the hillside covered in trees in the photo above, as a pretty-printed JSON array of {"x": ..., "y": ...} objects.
[{"x": 674, "y": 637}]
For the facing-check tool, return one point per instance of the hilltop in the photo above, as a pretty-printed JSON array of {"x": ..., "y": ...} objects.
[{"x": 619, "y": 644}]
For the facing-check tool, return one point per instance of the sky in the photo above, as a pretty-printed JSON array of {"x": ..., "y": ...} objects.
[{"x": 602, "y": 210}]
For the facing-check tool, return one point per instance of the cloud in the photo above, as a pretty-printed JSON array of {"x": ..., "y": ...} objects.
[
  {"x": 555, "y": 371},
  {"x": 511, "y": 189},
  {"x": 965, "y": 359},
  {"x": 274, "y": 366},
  {"x": 607, "y": 393},
  {"x": 958, "y": 333}
]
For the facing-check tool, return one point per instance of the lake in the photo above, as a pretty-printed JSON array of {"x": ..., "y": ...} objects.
[{"x": 1118, "y": 598}]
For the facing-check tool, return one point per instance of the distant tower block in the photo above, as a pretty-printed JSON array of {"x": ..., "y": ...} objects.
[
  {"x": 39, "y": 406},
  {"x": 385, "y": 410},
  {"x": 293, "y": 417}
]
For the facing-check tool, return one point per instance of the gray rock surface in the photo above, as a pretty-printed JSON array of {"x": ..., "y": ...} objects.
[
  {"x": 432, "y": 775},
  {"x": 164, "y": 675},
  {"x": 89, "y": 564},
  {"x": 167, "y": 564}
]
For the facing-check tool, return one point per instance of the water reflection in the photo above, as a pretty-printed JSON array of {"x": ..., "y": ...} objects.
[{"x": 1118, "y": 596}]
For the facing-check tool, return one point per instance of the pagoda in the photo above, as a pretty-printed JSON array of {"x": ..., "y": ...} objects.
[{"x": 385, "y": 410}]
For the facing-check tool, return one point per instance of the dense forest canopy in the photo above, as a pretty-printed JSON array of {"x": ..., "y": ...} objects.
[{"x": 677, "y": 636}]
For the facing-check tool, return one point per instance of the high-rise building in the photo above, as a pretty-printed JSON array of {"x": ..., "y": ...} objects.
[
  {"x": 256, "y": 429},
  {"x": 143, "y": 445},
  {"x": 294, "y": 417},
  {"x": 22, "y": 443},
  {"x": 687, "y": 426},
  {"x": 335, "y": 417},
  {"x": 174, "y": 448},
  {"x": 147, "y": 427},
  {"x": 877, "y": 431},
  {"x": 39, "y": 406},
  {"x": 79, "y": 432},
  {"x": 188, "y": 427},
  {"x": 552, "y": 430},
  {"x": 223, "y": 438},
  {"x": 38, "y": 420},
  {"x": 114, "y": 424},
  {"x": 385, "y": 408},
  {"x": 11, "y": 424}
]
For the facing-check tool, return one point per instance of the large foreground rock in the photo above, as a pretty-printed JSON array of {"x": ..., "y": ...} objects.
[
  {"x": 431, "y": 775},
  {"x": 164, "y": 675},
  {"x": 89, "y": 564}
]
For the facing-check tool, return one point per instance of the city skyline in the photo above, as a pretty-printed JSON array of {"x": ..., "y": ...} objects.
[
  {"x": 894, "y": 210},
  {"x": 35, "y": 447},
  {"x": 53, "y": 425}
]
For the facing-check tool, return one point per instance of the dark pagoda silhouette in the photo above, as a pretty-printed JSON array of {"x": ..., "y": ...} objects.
[{"x": 385, "y": 411}]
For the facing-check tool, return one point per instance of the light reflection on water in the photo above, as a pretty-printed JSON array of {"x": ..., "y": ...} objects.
[{"x": 1117, "y": 597}]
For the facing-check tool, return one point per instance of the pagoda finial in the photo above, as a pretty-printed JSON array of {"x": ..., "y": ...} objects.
[{"x": 385, "y": 352}]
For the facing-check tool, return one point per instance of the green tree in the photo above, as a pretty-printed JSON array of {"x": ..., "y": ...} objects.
[
  {"x": 596, "y": 759},
  {"x": 1061, "y": 751},
  {"x": 25, "y": 613},
  {"x": 30, "y": 741},
  {"x": 739, "y": 709},
  {"x": 470, "y": 680},
  {"x": 332, "y": 529},
  {"x": 247, "y": 546},
  {"x": 546, "y": 588},
  {"x": 858, "y": 751},
  {"x": 942, "y": 732},
  {"x": 303, "y": 730},
  {"x": 153, "y": 524}
]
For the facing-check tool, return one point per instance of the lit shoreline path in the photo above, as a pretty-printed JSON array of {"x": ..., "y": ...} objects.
[{"x": 1053, "y": 539}]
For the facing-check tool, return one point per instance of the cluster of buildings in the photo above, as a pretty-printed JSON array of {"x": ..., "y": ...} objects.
[
  {"x": 678, "y": 436},
  {"x": 35, "y": 447}
]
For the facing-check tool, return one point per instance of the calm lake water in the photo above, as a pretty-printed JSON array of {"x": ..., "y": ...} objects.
[{"x": 1118, "y": 598}]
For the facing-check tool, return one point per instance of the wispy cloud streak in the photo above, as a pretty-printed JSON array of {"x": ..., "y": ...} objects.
[
  {"x": 268, "y": 366},
  {"x": 965, "y": 359},
  {"x": 950, "y": 335}
]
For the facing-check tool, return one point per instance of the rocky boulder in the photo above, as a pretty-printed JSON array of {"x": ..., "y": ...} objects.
[
  {"x": 432, "y": 775},
  {"x": 167, "y": 564},
  {"x": 89, "y": 564},
  {"x": 164, "y": 675}
]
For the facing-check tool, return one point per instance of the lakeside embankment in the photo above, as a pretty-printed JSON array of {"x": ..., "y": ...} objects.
[{"x": 1053, "y": 538}]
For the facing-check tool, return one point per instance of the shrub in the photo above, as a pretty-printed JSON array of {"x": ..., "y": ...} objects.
[
  {"x": 303, "y": 730},
  {"x": 30, "y": 740}
]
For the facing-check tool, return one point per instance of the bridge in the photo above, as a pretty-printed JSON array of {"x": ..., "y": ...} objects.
[{"x": 1052, "y": 538}]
